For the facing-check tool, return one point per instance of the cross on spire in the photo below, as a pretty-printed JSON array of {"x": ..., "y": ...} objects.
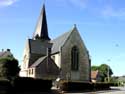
[{"x": 44, "y": 1}]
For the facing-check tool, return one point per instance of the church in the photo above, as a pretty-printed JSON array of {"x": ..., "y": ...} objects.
[{"x": 65, "y": 57}]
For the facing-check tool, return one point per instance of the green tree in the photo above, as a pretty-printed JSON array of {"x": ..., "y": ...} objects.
[
  {"x": 9, "y": 68},
  {"x": 105, "y": 71},
  {"x": 94, "y": 68}
]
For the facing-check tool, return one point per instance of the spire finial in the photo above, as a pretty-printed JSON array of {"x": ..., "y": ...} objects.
[
  {"x": 74, "y": 25},
  {"x": 44, "y": 1}
]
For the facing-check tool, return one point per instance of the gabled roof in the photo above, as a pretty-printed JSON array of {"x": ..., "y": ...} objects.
[
  {"x": 1, "y": 54},
  {"x": 59, "y": 42},
  {"x": 35, "y": 64},
  {"x": 121, "y": 78},
  {"x": 41, "y": 31},
  {"x": 5, "y": 54}
]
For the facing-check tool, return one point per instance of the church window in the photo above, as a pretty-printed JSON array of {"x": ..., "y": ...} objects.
[{"x": 75, "y": 58}]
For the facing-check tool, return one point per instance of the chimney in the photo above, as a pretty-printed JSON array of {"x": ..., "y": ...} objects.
[
  {"x": 8, "y": 50},
  {"x": 2, "y": 50}
]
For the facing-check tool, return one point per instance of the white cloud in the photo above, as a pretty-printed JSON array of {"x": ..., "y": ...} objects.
[
  {"x": 4, "y": 3},
  {"x": 78, "y": 3},
  {"x": 110, "y": 11},
  {"x": 107, "y": 8}
]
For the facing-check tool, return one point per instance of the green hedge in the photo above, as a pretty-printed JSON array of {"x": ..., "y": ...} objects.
[
  {"x": 22, "y": 84},
  {"x": 114, "y": 84},
  {"x": 29, "y": 84},
  {"x": 83, "y": 86},
  {"x": 73, "y": 86},
  {"x": 5, "y": 86},
  {"x": 101, "y": 86}
]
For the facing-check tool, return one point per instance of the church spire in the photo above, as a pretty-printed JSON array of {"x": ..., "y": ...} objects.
[{"x": 41, "y": 30}]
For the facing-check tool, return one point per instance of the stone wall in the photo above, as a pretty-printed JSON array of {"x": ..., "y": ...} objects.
[
  {"x": 83, "y": 74},
  {"x": 47, "y": 69},
  {"x": 57, "y": 59}
]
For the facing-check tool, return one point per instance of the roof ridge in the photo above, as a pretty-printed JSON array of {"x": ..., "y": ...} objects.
[
  {"x": 3, "y": 53},
  {"x": 62, "y": 35},
  {"x": 72, "y": 29},
  {"x": 60, "y": 41},
  {"x": 36, "y": 63}
]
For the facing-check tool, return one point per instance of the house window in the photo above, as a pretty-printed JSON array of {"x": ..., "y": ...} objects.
[
  {"x": 32, "y": 71},
  {"x": 29, "y": 72},
  {"x": 75, "y": 58}
]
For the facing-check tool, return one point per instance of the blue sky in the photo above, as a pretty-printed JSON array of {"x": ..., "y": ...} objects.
[{"x": 101, "y": 24}]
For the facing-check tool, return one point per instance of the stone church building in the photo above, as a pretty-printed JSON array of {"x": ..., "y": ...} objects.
[{"x": 65, "y": 57}]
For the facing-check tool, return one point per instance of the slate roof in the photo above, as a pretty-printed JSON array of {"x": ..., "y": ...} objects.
[
  {"x": 94, "y": 74},
  {"x": 59, "y": 42},
  {"x": 38, "y": 61},
  {"x": 41, "y": 27},
  {"x": 33, "y": 44},
  {"x": 1, "y": 54},
  {"x": 5, "y": 54},
  {"x": 121, "y": 78}
]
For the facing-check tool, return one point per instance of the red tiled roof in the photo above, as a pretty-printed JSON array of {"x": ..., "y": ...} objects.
[{"x": 94, "y": 74}]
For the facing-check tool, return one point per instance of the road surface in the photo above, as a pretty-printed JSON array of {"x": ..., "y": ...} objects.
[{"x": 114, "y": 90}]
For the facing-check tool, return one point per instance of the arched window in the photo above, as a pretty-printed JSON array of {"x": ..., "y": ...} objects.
[{"x": 75, "y": 58}]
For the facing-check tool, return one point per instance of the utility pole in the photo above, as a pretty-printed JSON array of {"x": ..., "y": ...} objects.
[{"x": 108, "y": 74}]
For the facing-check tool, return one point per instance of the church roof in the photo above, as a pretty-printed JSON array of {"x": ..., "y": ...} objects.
[
  {"x": 41, "y": 27},
  {"x": 60, "y": 41},
  {"x": 38, "y": 61}
]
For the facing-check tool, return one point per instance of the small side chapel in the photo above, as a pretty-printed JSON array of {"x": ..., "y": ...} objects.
[{"x": 65, "y": 57}]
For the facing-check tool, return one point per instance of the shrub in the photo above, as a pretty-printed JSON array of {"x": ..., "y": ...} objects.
[
  {"x": 5, "y": 86},
  {"x": 101, "y": 86},
  {"x": 114, "y": 84},
  {"x": 83, "y": 86},
  {"x": 8, "y": 68},
  {"x": 30, "y": 84},
  {"x": 75, "y": 86}
]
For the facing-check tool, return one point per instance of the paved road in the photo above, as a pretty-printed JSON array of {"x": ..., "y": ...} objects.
[{"x": 114, "y": 90}]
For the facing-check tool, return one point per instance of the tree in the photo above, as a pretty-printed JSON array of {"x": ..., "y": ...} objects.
[
  {"x": 104, "y": 70},
  {"x": 9, "y": 68},
  {"x": 94, "y": 68}
]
